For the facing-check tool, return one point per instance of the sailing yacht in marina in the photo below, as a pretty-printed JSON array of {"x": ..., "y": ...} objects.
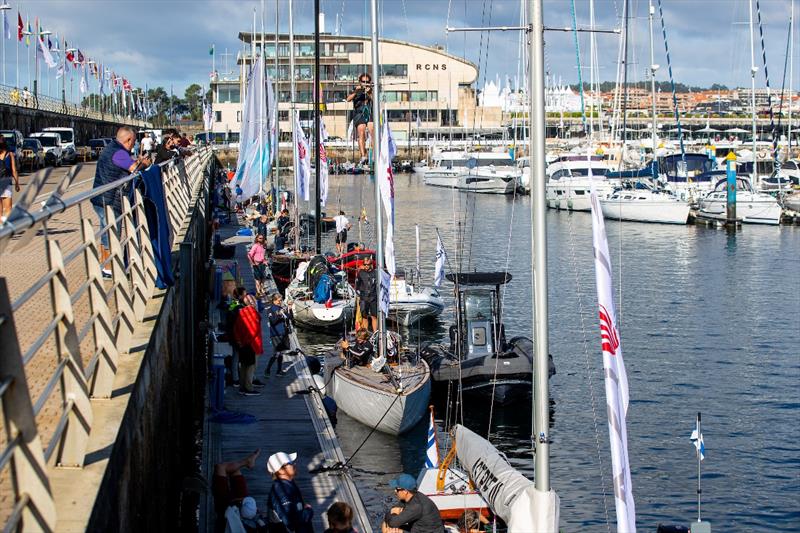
[
  {"x": 481, "y": 172},
  {"x": 751, "y": 206},
  {"x": 569, "y": 181},
  {"x": 640, "y": 201}
]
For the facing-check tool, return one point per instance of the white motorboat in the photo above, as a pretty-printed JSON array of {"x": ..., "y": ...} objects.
[
  {"x": 487, "y": 172},
  {"x": 791, "y": 169},
  {"x": 335, "y": 313},
  {"x": 569, "y": 179},
  {"x": 641, "y": 202},
  {"x": 392, "y": 399},
  {"x": 408, "y": 304},
  {"x": 751, "y": 207},
  {"x": 420, "y": 167}
]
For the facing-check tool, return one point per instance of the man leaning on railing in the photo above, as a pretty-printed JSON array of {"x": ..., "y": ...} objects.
[{"x": 115, "y": 162}]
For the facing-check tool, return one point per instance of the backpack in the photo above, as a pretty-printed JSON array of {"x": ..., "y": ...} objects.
[{"x": 323, "y": 290}]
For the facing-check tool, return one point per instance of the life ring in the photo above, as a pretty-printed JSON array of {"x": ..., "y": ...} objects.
[{"x": 763, "y": 154}]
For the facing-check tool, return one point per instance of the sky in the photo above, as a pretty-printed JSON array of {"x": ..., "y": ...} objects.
[{"x": 167, "y": 42}]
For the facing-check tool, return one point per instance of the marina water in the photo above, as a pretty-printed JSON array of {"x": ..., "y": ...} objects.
[{"x": 710, "y": 322}]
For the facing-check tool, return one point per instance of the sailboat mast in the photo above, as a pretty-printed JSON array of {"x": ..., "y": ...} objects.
[
  {"x": 376, "y": 157},
  {"x": 753, "y": 70},
  {"x": 653, "y": 68},
  {"x": 277, "y": 147},
  {"x": 262, "y": 115},
  {"x": 791, "y": 78},
  {"x": 293, "y": 122},
  {"x": 541, "y": 408},
  {"x": 317, "y": 140}
]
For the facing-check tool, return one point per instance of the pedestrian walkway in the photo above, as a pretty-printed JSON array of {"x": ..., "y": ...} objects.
[{"x": 286, "y": 419}]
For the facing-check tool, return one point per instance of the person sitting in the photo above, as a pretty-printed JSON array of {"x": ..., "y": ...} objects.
[
  {"x": 228, "y": 485},
  {"x": 340, "y": 518},
  {"x": 252, "y": 521},
  {"x": 416, "y": 512},
  {"x": 360, "y": 352},
  {"x": 472, "y": 522}
]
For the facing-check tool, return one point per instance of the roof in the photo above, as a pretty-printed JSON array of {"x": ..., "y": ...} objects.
[{"x": 480, "y": 278}]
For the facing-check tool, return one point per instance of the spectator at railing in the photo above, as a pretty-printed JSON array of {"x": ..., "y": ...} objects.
[
  {"x": 184, "y": 141},
  {"x": 167, "y": 149},
  {"x": 115, "y": 162},
  {"x": 26, "y": 97},
  {"x": 15, "y": 96}
]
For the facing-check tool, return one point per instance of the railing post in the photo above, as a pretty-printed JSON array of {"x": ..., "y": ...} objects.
[
  {"x": 28, "y": 468},
  {"x": 101, "y": 380},
  {"x": 123, "y": 298},
  {"x": 134, "y": 256},
  {"x": 72, "y": 444}
]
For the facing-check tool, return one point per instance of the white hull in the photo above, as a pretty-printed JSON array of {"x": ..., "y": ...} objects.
[
  {"x": 750, "y": 212},
  {"x": 408, "y": 313},
  {"x": 487, "y": 182},
  {"x": 660, "y": 212},
  {"x": 436, "y": 178},
  {"x": 575, "y": 196},
  {"x": 379, "y": 408},
  {"x": 310, "y": 314}
]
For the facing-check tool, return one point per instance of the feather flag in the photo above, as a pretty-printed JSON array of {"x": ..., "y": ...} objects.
[
  {"x": 323, "y": 164},
  {"x": 385, "y": 181},
  {"x": 303, "y": 164},
  {"x": 616, "y": 379},
  {"x": 432, "y": 452}
]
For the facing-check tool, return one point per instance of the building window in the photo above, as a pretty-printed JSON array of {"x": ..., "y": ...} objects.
[
  {"x": 283, "y": 115},
  {"x": 400, "y": 71},
  {"x": 217, "y": 116},
  {"x": 238, "y": 116},
  {"x": 228, "y": 94},
  {"x": 419, "y": 96}
]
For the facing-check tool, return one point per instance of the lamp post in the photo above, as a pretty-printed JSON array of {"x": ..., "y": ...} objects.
[{"x": 4, "y": 8}]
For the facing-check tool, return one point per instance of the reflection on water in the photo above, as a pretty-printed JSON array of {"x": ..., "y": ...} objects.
[{"x": 710, "y": 322}]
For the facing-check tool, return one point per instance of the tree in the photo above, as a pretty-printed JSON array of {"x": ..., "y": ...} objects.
[{"x": 194, "y": 96}]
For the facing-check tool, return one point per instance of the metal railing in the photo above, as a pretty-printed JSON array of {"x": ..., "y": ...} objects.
[
  {"x": 26, "y": 99},
  {"x": 88, "y": 303}
]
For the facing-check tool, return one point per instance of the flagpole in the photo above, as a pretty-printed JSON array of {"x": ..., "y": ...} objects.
[
  {"x": 317, "y": 143},
  {"x": 262, "y": 116},
  {"x": 293, "y": 121},
  {"x": 276, "y": 175}
]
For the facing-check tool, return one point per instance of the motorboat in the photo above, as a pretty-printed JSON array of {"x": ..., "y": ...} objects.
[
  {"x": 335, "y": 309},
  {"x": 791, "y": 169},
  {"x": 488, "y": 366},
  {"x": 639, "y": 201},
  {"x": 569, "y": 180},
  {"x": 751, "y": 207},
  {"x": 391, "y": 398},
  {"x": 420, "y": 167},
  {"x": 485, "y": 172}
]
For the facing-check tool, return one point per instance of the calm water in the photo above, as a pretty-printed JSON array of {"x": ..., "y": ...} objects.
[{"x": 709, "y": 323}]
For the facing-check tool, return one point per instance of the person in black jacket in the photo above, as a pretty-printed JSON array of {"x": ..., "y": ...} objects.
[
  {"x": 416, "y": 512},
  {"x": 367, "y": 290},
  {"x": 166, "y": 150},
  {"x": 287, "y": 509}
]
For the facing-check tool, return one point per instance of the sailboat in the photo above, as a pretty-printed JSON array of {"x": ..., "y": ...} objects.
[
  {"x": 391, "y": 394},
  {"x": 320, "y": 296}
]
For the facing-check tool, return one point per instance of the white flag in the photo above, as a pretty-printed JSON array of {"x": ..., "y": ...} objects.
[
  {"x": 84, "y": 86},
  {"x": 385, "y": 179},
  {"x": 208, "y": 117},
  {"x": 386, "y": 281},
  {"x": 48, "y": 57},
  {"x": 616, "y": 378},
  {"x": 302, "y": 167},
  {"x": 323, "y": 165},
  {"x": 441, "y": 259}
]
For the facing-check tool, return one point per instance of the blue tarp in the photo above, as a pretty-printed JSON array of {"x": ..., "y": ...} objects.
[
  {"x": 155, "y": 210},
  {"x": 650, "y": 170}
]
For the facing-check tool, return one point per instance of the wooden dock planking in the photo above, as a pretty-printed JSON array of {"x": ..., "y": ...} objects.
[{"x": 285, "y": 421}]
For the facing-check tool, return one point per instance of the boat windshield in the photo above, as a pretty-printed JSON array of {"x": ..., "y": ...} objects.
[
  {"x": 478, "y": 304},
  {"x": 596, "y": 171}
]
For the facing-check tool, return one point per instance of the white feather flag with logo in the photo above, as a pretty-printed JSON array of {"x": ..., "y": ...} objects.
[{"x": 616, "y": 379}]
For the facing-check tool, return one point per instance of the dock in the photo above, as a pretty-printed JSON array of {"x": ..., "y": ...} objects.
[{"x": 287, "y": 418}]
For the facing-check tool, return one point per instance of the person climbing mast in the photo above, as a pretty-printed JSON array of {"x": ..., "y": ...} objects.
[{"x": 362, "y": 113}]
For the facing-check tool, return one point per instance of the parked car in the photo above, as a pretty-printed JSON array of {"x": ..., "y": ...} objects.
[
  {"x": 33, "y": 154},
  {"x": 52, "y": 146},
  {"x": 97, "y": 146},
  {"x": 69, "y": 153},
  {"x": 13, "y": 138}
]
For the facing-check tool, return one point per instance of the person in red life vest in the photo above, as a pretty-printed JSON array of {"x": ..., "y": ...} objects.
[{"x": 247, "y": 332}]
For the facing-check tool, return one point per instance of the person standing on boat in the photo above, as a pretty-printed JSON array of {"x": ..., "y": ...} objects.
[
  {"x": 367, "y": 290},
  {"x": 416, "y": 513},
  {"x": 362, "y": 113},
  {"x": 288, "y": 512},
  {"x": 278, "y": 334},
  {"x": 282, "y": 228},
  {"x": 342, "y": 225}
]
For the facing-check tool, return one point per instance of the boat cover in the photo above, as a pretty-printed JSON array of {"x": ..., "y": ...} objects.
[{"x": 511, "y": 495}]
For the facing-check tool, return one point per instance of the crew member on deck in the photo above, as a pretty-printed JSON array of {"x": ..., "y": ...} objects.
[{"x": 360, "y": 352}]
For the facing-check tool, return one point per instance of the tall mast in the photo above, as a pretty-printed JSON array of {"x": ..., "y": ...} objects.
[
  {"x": 753, "y": 70},
  {"x": 653, "y": 68},
  {"x": 293, "y": 122},
  {"x": 591, "y": 71},
  {"x": 791, "y": 77},
  {"x": 262, "y": 104},
  {"x": 541, "y": 408},
  {"x": 376, "y": 157},
  {"x": 277, "y": 147},
  {"x": 317, "y": 89}
]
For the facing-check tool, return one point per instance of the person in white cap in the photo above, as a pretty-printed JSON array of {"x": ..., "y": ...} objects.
[{"x": 287, "y": 509}]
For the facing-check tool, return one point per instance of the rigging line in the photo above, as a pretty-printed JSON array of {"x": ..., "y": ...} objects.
[
  {"x": 585, "y": 343},
  {"x": 626, "y": 25},
  {"x": 482, "y": 57},
  {"x": 783, "y": 81},
  {"x": 672, "y": 83},
  {"x": 578, "y": 63},
  {"x": 769, "y": 94},
  {"x": 371, "y": 431}
]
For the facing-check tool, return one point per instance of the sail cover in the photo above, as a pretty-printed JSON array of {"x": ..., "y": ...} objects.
[{"x": 511, "y": 495}]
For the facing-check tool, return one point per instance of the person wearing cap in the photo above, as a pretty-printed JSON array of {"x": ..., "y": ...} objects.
[
  {"x": 416, "y": 512},
  {"x": 247, "y": 332},
  {"x": 287, "y": 509}
]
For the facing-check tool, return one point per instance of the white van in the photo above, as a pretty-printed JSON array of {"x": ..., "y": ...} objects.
[
  {"x": 69, "y": 153},
  {"x": 51, "y": 142}
]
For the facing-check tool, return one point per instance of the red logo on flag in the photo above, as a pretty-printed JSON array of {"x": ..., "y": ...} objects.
[
  {"x": 301, "y": 150},
  {"x": 608, "y": 332}
]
